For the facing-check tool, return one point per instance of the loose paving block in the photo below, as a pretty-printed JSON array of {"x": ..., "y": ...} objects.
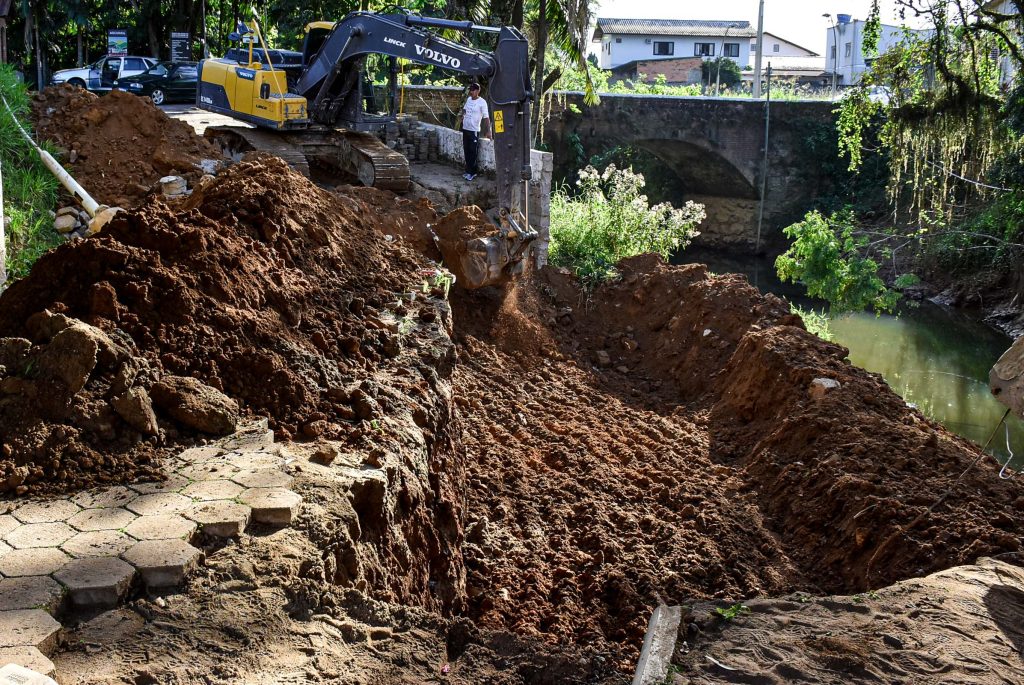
[
  {"x": 254, "y": 461},
  {"x": 210, "y": 470},
  {"x": 31, "y": 592},
  {"x": 266, "y": 478},
  {"x": 25, "y": 657},
  {"x": 163, "y": 563},
  {"x": 39, "y": 535},
  {"x": 8, "y": 523},
  {"x": 198, "y": 454},
  {"x": 29, "y": 628},
  {"x": 206, "y": 490},
  {"x": 46, "y": 512},
  {"x": 161, "y": 527},
  {"x": 174, "y": 483},
  {"x": 275, "y": 506},
  {"x": 116, "y": 496},
  {"x": 160, "y": 503},
  {"x": 98, "y": 543},
  {"x": 98, "y": 582},
  {"x": 32, "y": 562},
  {"x": 221, "y": 519},
  {"x": 112, "y": 518},
  {"x": 249, "y": 440}
]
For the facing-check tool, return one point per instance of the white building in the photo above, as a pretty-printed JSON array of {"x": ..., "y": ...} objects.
[
  {"x": 775, "y": 46},
  {"x": 844, "y": 48},
  {"x": 1007, "y": 67},
  {"x": 631, "y": 40}
]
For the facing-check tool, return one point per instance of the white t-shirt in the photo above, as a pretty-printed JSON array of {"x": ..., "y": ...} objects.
[{"x": 476, "y": 111}]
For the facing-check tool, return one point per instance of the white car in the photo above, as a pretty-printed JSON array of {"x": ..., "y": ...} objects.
[{"x": 99, "y": 77}]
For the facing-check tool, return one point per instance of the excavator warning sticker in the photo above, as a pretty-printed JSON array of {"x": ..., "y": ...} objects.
[{"x": 499, "y": 121}]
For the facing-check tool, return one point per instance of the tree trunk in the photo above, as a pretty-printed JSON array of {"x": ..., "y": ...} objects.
[
  {"x": 154, "y": 37},
  {"x": 538, "y": 81},
  {"x": 81, "y": 52},
  {"x": 517, "y": 14}
]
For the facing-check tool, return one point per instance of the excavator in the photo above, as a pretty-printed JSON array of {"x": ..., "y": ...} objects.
[{"x": 317, "y": 114}]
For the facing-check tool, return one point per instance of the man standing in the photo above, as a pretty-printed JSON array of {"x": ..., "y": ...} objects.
[{"x": 474, "y": 121}]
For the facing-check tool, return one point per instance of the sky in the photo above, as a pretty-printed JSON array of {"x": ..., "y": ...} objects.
[{"x": 798, "y": 21}]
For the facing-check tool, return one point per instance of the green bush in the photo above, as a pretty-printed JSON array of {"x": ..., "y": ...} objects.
[
  {"x": 826, "y": 257},
  {"x": 814, "y": 321},
  {"x": 609, "y": 219},
  {"x": 30, "y": 191}
]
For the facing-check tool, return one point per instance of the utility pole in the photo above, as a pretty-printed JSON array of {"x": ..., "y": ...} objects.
[
  {"x": 835, "y": 52},
  {"x": 760, "y": 50}
]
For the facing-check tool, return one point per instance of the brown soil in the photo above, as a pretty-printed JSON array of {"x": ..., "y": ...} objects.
[
  {"x": 279, "y": 294},
  {"x": 120, "y": 144},
  {"x": 670, "y": 448}
]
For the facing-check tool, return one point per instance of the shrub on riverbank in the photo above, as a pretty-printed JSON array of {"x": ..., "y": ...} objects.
[{"x": 609, "y": 219}]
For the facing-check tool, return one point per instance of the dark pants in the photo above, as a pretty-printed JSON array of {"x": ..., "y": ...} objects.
[{"x": 470, "y": 145}]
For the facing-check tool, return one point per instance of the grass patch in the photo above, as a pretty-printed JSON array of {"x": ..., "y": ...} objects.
[
  {"x": 814, "y": 321},
  {"x": 609, "y": 219},
  {"x": 30, "y": 190}
]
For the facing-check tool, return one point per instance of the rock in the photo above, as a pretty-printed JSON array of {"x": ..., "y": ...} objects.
[
  {"x": 13, "y": 352},
  {"x": 70, "y": 357},
  {"x": 65, "y": 224},
  {"x": 603, "y": 359},
  {"x": 173, "y": 186},
  {"x": 325, "y": 454},
  {"x": 822, "y": 386},
  {"x": 192, "y": 403},
  {"x": 67, "y": 211},
  {"x": 629, "y": 344},
  {"x": 622, "y": 369},
  {"x": 42, "y": 326},
  {"x": 136, "y": 408}
]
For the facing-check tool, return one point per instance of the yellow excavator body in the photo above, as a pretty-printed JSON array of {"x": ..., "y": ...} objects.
[{"x": 251, "y": 93}]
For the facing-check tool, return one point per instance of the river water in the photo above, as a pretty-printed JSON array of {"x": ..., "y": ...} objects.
[{"x": 935, "y": 357}]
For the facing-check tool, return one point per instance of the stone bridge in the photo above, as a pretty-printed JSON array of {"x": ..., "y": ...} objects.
[{"x": 715, "y": 146}]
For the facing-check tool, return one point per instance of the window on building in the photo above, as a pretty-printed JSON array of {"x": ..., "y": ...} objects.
[
  {"x": 664, "y": 47},
  {"x": 849, "y": 49},
  {"x": 833, "y": 53},
  {"x": 775, "y": 48},
  {"x": 731, "y": 49},
  {"x": 701, "y": 50}
]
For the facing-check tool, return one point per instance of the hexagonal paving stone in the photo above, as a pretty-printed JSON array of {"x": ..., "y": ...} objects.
[
  {"x": 32, "y": 562},
  {"x": 163, "y": 563},
  {"x": 26, "y": 657},
  {"x": 113, "y": 518},
  {"x": 98, "y": 543},
  {"x": 275, "y": 506},
  {"x": 31, "y": 592},
  {"x": 116, "y": 496},
  {"x": 159, "y": 503},
  {"x": 7, "y": 524},
  {"x": 200, "y": 454},
  {"x": 205, "y": 490},
  {"x": 39, "y": 535},
  {"x": 161, "y": 527},
  {"x": 29, "y": 627},
  {"x": 265, "y": 478},
  {"x": 99, "y": 582},
  {"x": 210, "y": 470},
  {"x": 4, "y": 548},
  {"x": 254, "y": 461},
  {"x": 174, "y": 483},
  {"x": 46, "y": 512},
  {"x": 221, "y": 519},
  {"x": 249, "y": 440}
]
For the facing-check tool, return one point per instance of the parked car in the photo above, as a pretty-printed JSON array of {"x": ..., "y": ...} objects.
[
  {"x": 164, "y": 82},
  {"x": 99, "y": 76}
]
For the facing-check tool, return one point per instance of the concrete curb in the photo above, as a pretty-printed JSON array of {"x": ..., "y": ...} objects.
[{"x": 659, "y": 644}]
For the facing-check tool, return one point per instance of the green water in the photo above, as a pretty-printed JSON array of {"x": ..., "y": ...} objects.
[{"x": 935, "y": 357}]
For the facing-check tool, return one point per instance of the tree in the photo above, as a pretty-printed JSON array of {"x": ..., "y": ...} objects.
[{"x": 720, "y": 71}]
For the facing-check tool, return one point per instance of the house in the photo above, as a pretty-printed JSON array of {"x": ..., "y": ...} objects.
[
  {"x": 789, "y": 61},
  {"x": 633, "y": 40},
  {"x": 678, "y": 71},
  {"x": 844, "y": 48}
]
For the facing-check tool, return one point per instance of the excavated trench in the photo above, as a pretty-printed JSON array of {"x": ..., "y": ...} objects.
[{"x": 540, "y": 459}]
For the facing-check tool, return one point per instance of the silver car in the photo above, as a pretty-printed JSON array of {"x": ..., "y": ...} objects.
[{"x": 99, "y": 77}]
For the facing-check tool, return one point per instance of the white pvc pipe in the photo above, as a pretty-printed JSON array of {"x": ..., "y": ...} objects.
[{"x": 90, "y": 205}]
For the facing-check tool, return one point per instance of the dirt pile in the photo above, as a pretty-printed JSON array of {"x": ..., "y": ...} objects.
[
  {"x": 118, "y": 146},
  {"x": 669, "y": 441}
]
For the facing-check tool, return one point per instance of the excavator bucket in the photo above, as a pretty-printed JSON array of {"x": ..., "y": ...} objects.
[{"x": 479, "y": 253}]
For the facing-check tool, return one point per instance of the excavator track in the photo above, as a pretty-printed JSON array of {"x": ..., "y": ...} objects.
[{"x": 356, "y": 156}]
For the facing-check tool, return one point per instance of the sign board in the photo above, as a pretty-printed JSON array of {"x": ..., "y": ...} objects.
[
  {"x": 117, "y": 42},
  {"x": 181, "y": 47}
]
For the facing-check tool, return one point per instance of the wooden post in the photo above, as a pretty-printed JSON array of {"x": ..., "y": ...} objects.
[{"x": 3, "y": 40}]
